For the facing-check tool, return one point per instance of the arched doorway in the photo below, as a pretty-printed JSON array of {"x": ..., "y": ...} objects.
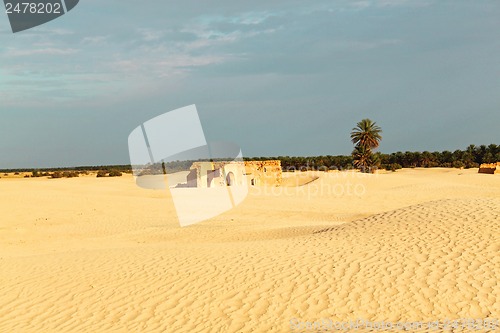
[{"x": 230, "y": 181}]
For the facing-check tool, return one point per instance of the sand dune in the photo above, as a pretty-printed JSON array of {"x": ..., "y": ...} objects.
[{"x": 102, "y": 255}]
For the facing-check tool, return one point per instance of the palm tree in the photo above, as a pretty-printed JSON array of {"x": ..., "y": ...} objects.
[
  {"x": 366, "y": 134},
  {"x": 362, "y": 157},
  {"x": 427, "y": 159}
]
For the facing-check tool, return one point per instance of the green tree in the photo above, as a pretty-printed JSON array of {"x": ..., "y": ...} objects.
[
  {"x": 427, "y": 159},
  {"x": 494, "y": 149},
  {"x": 362, "y": 157},
  {"x": 366, "y": 136},
  {"x": 488, "y": 158}
]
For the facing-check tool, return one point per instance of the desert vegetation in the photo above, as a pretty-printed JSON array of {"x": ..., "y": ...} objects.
[
  {"x": 366, "y": 137},
  {"x": 72, "y": 172},
  {"x": 106, "y": 173},
  {"x": 470, "y": 157}
]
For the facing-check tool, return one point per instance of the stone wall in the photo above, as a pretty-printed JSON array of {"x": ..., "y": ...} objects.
[
  {"x": 491, "y": 168},
  {"x": 215, "y": 174},
  {"x": 264, "y": 172}
]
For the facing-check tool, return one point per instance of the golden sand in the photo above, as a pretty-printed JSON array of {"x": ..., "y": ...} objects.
[{"x": 102, "y": 255}]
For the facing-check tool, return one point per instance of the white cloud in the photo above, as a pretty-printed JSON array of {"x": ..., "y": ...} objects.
[
  {"x": 409, "y": 3},
  {"x": 42, "y": 51},
  {"x": 46, "y": 32},
  {"x": 363, "y": 4},
  {"x": 355, "y": 45},
  {"x": 94, "y": 39},
  {"x": 149, "y": 35}
]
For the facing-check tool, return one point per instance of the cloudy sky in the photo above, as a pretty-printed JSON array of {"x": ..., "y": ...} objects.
[{"x": 277, "y": 77}]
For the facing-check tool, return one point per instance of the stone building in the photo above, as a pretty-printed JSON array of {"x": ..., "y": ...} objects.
[{"x": 236, "y": 173}]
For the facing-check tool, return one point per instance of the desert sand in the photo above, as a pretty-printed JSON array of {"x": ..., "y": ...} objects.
[{"x": 103, "y": 255}]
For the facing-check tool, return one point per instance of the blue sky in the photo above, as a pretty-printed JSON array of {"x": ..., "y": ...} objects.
[{"x": 278, "y": 78}]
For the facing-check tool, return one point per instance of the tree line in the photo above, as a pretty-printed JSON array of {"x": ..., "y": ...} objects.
[
  {"x": 471, "y": 157},
  {"x": 366, "y": 136}
]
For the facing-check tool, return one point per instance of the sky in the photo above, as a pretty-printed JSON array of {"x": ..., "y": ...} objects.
[{"x": 276, "y": 77}]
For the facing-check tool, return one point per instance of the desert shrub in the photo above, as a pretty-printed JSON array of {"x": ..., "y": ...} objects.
[
  {"x": 56, "y": 175},
  {"x": 16, "y": 173},
  {"x": 115, "y": 173},
  {"x": 392, "y": 167},
  {"x": 395, "y": 166},
  {"x": 470, "y": 164},
  {"x": 70, "y": 174},
  {"x": 102, "y": 173}
]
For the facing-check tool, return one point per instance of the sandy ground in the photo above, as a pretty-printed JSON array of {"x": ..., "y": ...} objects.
[{"x": 102, "y": 255}]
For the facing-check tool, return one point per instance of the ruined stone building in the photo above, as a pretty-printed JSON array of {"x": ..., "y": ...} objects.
[
  {"x": 236, "y": 173},
  {"x": 492, "y": 168}
]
